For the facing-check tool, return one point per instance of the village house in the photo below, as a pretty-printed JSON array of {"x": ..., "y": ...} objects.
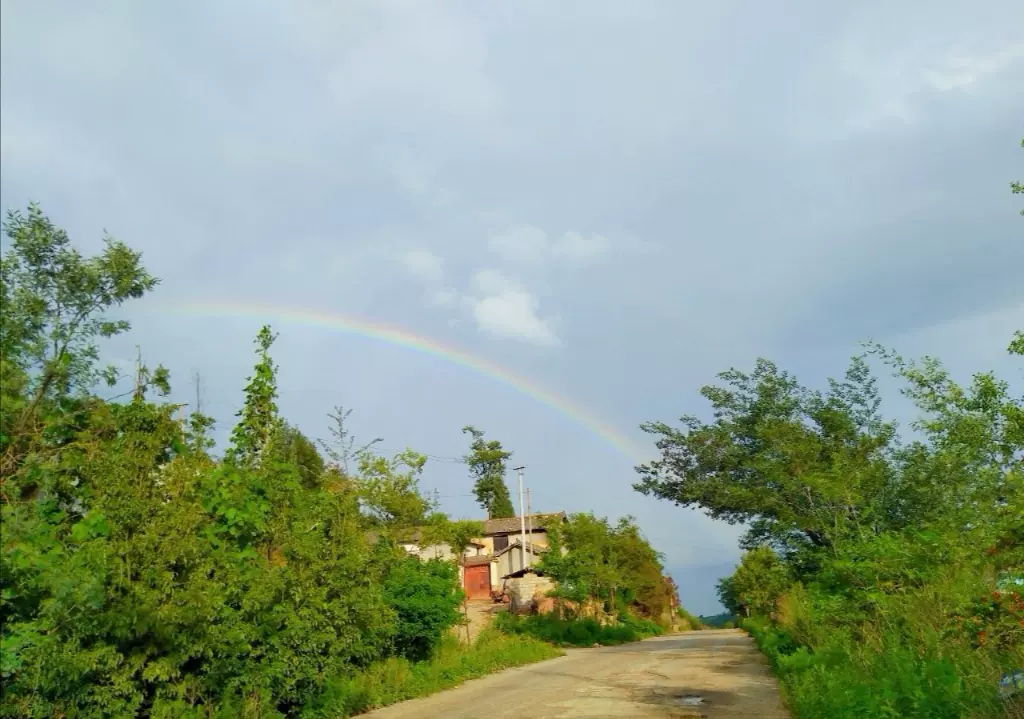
[{"x": 494, "y": 562}]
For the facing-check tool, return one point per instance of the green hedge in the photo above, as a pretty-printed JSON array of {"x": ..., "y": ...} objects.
[{"x": 578, "y": 632}]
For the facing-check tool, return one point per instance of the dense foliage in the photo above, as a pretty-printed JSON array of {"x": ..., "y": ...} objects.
[
  {"x": 578, "y": 631},
  {"x": 883, "y": 574},
  {"x": 142, "y": 575},
  {"x": 610, "y": 564}
]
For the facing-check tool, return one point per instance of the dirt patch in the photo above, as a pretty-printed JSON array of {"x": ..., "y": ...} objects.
[{"x": 480, "y": 613}]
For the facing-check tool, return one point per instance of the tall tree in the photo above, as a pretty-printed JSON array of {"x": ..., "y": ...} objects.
[
  {"x": 610, "y": 563},
  {"x": 487, "y": 462},
  {"x": 802, "y": 467},
  {"x": 258, "y": 419},
  {"x": 756, "y": 585},
  {"x": 53, "y": 305},
  {"x": 388, "y": 489},
  {"x": 343, "y": 450}
]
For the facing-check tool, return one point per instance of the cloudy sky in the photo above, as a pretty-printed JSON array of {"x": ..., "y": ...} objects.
[{"x": 610, "y": 201}]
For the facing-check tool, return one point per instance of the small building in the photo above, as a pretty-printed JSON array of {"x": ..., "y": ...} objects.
[
  {"x": 498, "y": 533},
  {"x": 510, "y": 559},
  {"x": 488, "y": 560}
]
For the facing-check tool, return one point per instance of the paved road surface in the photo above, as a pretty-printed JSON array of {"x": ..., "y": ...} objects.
[{"x": 713, "y": 674}]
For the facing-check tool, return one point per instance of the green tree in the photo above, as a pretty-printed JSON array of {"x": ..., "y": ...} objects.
[
  {"x": 342, "y": 450},
  {"x": 457, "y": 534},
  {"x": 487, "y": 462},
  {"x": 802, "y": 467},
  {"x": 54, "y": 304},
  {"x": 294, "y": 448},
  {"x": 388, "y": 489},
  {"x": 258, "y": 420},
  {"x": 143, "y": 576},
  {"x": 880, "y": 547},
  {"x": 610, "y": 563},
  {"x": 756, "y": 585}
]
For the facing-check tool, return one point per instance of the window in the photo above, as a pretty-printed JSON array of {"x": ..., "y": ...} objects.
[{"x": 500, "y": 542}]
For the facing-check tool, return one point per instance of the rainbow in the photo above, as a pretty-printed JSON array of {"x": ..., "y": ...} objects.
[{"x": 401, "y": 337}]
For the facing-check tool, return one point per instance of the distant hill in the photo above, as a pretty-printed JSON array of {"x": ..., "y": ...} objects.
[{"x": 717, "y": 621}]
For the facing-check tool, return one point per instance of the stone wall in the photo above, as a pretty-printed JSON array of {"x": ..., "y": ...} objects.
[{"x": 526, "y": 591}]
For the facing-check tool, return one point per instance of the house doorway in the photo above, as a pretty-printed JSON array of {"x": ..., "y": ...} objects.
[{"x": 476, "y": 581}]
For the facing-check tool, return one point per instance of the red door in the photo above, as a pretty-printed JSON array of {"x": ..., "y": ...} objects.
[{"x": 477, "y": 581}]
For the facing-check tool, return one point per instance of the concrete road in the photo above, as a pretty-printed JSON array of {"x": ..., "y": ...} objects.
[{"x": 712, "y": 674}]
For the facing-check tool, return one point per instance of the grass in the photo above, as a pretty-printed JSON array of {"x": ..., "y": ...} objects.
[
  {"x": 577, "y": 632},
  {"x": 395, "y": 680},
  {"x": 689, "y": 622},
  {"x": 881, "y": 675}
]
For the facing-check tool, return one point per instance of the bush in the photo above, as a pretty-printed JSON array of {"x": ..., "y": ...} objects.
[
  {"x": 894, "y": 665},
  {"x": 425, "y": 597},
  {"x": 688, "y": 621},
  {"x": 584, "y": 632}
]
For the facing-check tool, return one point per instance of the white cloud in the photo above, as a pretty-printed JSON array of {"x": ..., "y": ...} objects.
[
  {"x": 529, "y": 245},
  {"x": 576, "y": 248},
  {"x": 424, "y": 265},
  {"x": 505, "y": 309},
  {"x": 525, "y": 244},
  {"x": 444, "y": 297},
  {"x": 889, "y": 80},
  {"x": 962, "y": 71},
  {"x": 396, "y": 59}
]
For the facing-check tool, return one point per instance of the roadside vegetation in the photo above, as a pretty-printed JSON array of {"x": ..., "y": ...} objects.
[
  {"x": 141, "y": 574},
  {"x": 725, "y": 620},
  {"x": 578, "y": 631},
  {"x": 688, "y": 622},
  {"x": 882, "y": 577},
  {"x": 610, "y": 587},
  {"x": 397, "y": 679},
  {"x": 884, "y": 569}
]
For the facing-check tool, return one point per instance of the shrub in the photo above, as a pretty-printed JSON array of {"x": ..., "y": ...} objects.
[
  {"x": 425, "y": 597},
  {"x": 583, "y": 632},
  {"x": 689, "y": 621}
]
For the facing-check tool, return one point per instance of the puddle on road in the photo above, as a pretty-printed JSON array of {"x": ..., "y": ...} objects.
[{"x": 691, "y": 700}]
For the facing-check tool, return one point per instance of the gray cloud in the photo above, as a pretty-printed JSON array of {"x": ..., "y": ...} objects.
[{"x": 727, "y": 180}]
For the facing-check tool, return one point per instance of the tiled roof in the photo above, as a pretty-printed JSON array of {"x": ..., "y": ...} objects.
[
  {"x": 478, "y": 560},
  {"x": 533, "y": 548},
  {"x": 411, "y": 536},
  {"x": 508, "y": 525}
]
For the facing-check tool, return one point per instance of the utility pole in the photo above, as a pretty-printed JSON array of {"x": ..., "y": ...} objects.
[
  {"x": 522, "y": 517},
  {"x": 137, "y": 390},
  {"x": 529, "y": 524},
  {"x": 197, "y": 380}
]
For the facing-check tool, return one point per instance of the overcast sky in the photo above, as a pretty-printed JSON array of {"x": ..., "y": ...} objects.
[{"x": 613, "y": 200}]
